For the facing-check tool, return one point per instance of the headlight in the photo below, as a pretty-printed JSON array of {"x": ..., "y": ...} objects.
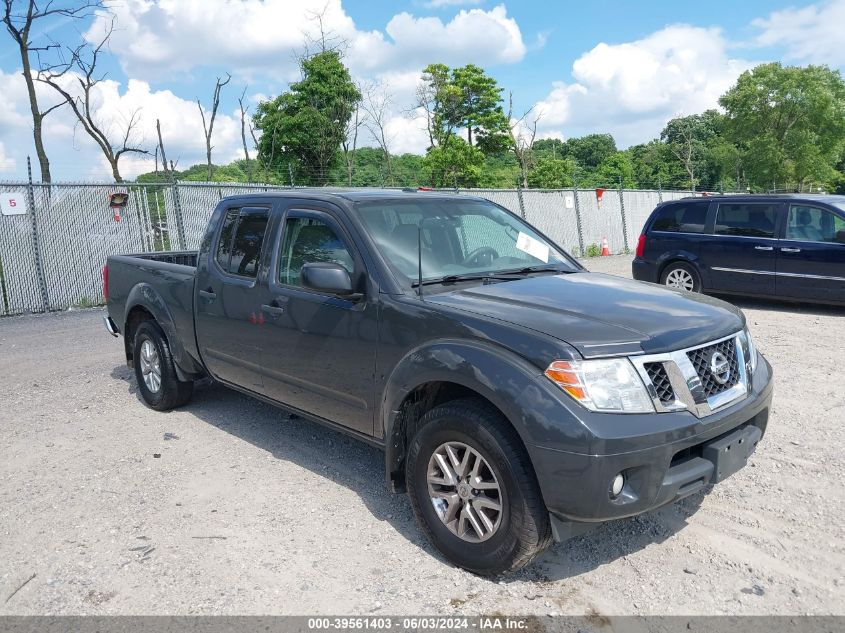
[
  {"x": 610, "y": 385},
  {"x": 752, "y": 351}
]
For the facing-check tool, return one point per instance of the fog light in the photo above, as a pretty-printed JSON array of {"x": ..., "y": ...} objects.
[{"x": 616, "y": 485}]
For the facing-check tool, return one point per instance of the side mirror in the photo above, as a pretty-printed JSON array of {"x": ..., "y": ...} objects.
[{"x": 326, "y": 277}]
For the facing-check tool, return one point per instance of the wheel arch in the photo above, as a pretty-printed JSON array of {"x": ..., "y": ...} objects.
[
  {"x": 443, "y": 372},
  {"x": 684, "y": 257}
]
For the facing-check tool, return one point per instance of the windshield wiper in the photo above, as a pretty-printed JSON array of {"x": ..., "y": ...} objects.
[
  {"x": 450, "y": 279},
  {"x": 532, "y": 269}
]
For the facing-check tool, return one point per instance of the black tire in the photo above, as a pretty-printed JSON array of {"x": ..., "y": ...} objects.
[
  {"x": 678, "y": 268},
  {"x": 172, "y": 392},
  {"x": 524, "y": 530}
]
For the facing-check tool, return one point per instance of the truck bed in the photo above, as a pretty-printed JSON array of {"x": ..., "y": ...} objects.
[
  {"x": 166, "y": 280},
  {"x": 183, "y": 258}
]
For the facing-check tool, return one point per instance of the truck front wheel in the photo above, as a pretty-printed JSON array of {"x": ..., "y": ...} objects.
[
  {"x": 473, "y": 490},
  {"x": 155, "y": 372}
]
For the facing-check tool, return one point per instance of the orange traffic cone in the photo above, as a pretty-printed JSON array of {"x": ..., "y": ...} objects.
[{"x": 605, "y": 249}]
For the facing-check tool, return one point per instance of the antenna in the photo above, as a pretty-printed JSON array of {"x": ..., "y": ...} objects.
[{"x": 419, "y": 259}]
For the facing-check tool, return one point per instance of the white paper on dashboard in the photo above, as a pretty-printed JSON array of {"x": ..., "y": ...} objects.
[{"x": 533, "y": 247}]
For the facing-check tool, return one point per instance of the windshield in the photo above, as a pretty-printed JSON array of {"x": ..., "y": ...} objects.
[{"x": 459, "y": 238}]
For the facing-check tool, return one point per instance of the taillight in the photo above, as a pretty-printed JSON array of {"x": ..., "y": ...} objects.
[
  {"x": 106, "y": 282},
  {"x": 641, "y": 245}
]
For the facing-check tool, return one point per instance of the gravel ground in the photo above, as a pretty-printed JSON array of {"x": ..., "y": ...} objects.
[{"x": 228, "y": 506}]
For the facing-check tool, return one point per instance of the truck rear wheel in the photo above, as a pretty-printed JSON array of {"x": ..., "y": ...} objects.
[
  {"x": 155, "y": 371},
  {"x": 473, "y": 490}
]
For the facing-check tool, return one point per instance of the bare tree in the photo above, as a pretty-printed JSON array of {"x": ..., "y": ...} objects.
[
  {"x": 425, "y": 101},
  {"x": 208, "y": 127},
  {"x": 81, "y": 69},
  {"x": 19, "y": 18},
  {"x": 376, "y": 104},
  {"x": 161, "y": 149},
  {"x": 243, "y": 135},
  {"x": 349, "y": 143},
  {"x": 522, "y": 139}
]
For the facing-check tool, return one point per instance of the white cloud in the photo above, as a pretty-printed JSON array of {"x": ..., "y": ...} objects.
[
  {"x": 632, "y": 89},
  {"x": 7, "y": 163},
  {"x": 167, "y": 37},
  {"x": 810, "y": 34},
  {"x": 439, "y": 4},
  {"x": 407, "y": 133}
]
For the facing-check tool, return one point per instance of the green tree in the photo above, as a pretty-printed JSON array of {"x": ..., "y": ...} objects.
[
  {"x": 303, "y": 128},
  {"x": 615, "y": 170},
  {"x": 455, "y": 162},
  {"x": 655, "y": 166},
  {"x": 552, "y": 173},
  {"x": 788, "y": 124},
  {"x": 590, "y": 150},
  {"x": 690, "y": 140},
  {"x": 464, "y": 98}
]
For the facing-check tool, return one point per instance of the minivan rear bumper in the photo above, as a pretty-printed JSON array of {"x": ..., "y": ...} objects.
[
  {"x": 577, "y": 488},
  {"x": 642, "y": 270}
]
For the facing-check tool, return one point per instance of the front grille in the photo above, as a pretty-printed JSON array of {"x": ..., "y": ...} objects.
[
  {"x": 660, "y": 380},
  {"x": 701, "y": 360}
]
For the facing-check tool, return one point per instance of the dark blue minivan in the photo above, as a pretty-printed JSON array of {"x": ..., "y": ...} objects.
[{"x": 781, "y": 246}]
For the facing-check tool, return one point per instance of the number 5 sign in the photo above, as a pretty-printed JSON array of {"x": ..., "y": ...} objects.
[{"x": 12, "y": 204}]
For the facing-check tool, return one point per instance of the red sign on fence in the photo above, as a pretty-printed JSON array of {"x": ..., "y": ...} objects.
[{"x": 599, "y": 194}]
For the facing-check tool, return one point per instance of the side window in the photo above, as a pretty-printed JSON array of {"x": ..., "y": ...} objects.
[
  {"x": 241, "y": 237},
  {"x": 308, "y": 241},
  {"x": 224, "y": 243},
  {"x": 246, "y": 245},
  {"x": 746, "y": 219},
  {"x": 811, "y": 224},
  {"x": 688, "y": 217}
]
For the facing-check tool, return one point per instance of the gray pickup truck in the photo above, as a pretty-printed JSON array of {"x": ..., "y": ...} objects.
[{"x": 517, "y": 397}]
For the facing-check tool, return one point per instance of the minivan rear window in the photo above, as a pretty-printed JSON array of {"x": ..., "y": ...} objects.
[
  {"x": 686, "y": 217},
  {"x": 746, "y": 219}
]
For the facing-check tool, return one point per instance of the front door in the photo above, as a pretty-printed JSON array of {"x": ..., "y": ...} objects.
[
  {"x": 228, "y": 335},
  {"x": 741, "y": 255},
  {"x": 319, "y": 350},
  {"x": 811, "y": 256}
]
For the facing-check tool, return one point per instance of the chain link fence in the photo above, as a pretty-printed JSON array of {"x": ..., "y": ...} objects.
[{"x": 54, "y": 239}]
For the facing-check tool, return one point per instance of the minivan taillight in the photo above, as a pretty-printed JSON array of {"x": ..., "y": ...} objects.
[
  {"x": 641, "y": 245},
  {"x": 106, "y": 282}
]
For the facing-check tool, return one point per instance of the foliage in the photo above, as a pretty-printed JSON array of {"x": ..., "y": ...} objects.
[
  {"x": 787, "y": 123},
  {"x": 454, "y": 163},
  {"x": 552, "y": 173},
  {"x": 303, "y": 128},
  {"x": 593, "y": 250}
]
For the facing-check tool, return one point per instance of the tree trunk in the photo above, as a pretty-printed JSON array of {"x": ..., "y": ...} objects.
[
  {"x": 114, "y": 170},
  {"x": 37, "y": 117}
]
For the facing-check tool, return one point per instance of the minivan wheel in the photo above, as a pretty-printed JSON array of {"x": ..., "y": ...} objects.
[
  {"x": 681, "y": 276},
  {"x": 473, "y": 490},
  {"x": 155, "y": 371}
]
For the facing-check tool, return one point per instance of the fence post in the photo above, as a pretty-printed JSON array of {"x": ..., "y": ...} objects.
[
  {"x": 578, "y": 215},
  {"x": 622, "y": 210},
  {"x": 39, "y": 267},
  {"x": 180, "y": 229},
  {"x": 659, "y": 191},
  {"x": 290, "y": 171},
  {"x": 521, "y": 201}
]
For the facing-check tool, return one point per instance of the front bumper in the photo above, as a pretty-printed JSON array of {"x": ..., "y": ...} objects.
[{"x": 674, "y": 464}]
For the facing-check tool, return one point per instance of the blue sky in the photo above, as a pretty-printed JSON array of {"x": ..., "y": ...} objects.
[{"x": 615, "y": 66}]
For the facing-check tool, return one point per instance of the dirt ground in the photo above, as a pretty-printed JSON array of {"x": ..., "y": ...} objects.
[{"x": 228, "y": 506}]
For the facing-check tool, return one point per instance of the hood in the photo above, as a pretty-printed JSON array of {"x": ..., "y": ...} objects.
[{"x": 602, "y": 315}]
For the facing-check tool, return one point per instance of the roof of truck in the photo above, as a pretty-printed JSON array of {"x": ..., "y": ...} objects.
[{"x": 355, "y": 195}]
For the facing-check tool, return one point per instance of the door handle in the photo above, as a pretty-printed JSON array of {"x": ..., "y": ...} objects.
[
  {"x": 790, "y": 250},
  {"x": 208, "y": 293},
  {"x": 764, "y": 248},
  {"x": 273, "y": 311}
]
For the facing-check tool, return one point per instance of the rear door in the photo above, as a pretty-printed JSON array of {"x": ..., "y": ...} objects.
[
  {"x": 227, "y": 305},
  {"x": 740, "y": 255},
  {"x": 811, "y": 255}
]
